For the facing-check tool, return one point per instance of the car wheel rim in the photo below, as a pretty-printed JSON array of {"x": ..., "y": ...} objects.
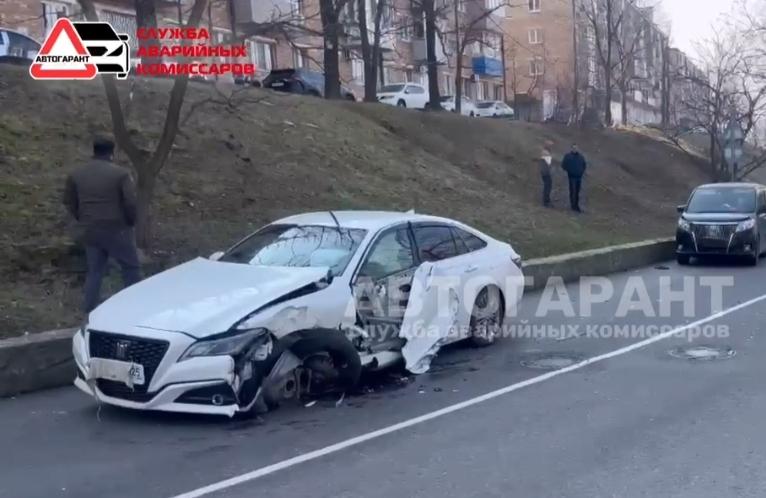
[{"x": 487, "y": 316}]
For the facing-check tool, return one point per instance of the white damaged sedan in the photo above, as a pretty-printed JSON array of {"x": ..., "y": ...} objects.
[{"x": 300, "y": 306}]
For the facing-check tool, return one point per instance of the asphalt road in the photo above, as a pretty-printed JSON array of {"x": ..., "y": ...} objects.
[{"x": 634, "y": 423}]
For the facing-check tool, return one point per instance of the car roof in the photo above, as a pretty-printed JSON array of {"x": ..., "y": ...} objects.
[
  {"x": 368, "y": 220},
  {"x": 732, "y": 185},
  {"x": 7, "y": 30}
]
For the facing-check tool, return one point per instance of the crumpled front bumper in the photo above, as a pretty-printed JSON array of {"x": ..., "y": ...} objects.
[{"x": 174, "y": 386}]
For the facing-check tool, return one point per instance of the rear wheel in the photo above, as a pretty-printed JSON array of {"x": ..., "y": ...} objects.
[
  {"x": 401, "y": 103},
  {"x": 683, "y": 259},
  {"x": 487, "y": 317}
]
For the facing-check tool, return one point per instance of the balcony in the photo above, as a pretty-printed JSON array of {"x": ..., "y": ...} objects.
[{"x": 487, "y": 66}]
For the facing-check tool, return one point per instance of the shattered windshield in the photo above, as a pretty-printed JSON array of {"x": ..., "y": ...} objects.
[
  {"x": 298, "y": 246},
  {"x": 723, "y": 200}
]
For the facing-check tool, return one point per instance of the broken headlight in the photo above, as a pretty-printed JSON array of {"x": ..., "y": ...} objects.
[{"x": 230, "y": 344}]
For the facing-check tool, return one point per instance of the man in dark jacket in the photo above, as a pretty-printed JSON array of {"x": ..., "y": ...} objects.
[
  {"x": 101, "y": 197},
  {"x": 574, "y": 164}
]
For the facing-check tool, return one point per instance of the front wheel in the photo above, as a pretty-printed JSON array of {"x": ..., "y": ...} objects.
[
  {"x": 753, "y": 260},
  {"x": 683, "y": 259},
  {"x": 401, "y": 103},
  {"x": 486, "y": 317}
]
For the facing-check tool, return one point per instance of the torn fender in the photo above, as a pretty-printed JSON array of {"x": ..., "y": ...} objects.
[{"x": 430, "y": 317}]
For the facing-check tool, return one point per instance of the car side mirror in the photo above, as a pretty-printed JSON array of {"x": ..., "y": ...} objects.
[
  {"x": 681, "y": 208},
  {"x": 216, "y": 256}
]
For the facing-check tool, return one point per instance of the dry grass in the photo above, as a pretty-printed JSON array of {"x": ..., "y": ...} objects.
[{"x": 235, "y": 168}]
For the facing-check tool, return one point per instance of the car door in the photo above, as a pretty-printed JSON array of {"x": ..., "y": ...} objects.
[
  {"x": 382, "y": 284},
  {"x": 435, "y": 313},
  {"x": 416, "y": 96}
]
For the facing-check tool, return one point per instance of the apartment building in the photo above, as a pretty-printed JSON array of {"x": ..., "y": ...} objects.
[{"x": 541, "y": 59}]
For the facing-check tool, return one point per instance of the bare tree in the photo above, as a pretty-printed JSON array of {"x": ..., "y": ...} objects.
[
  {"x": 146, "y": 164},
  {"x": 329, "y": 11},
  {"x": 605, "y": 18},
  {"x": 467, "y": 30},
  {"x": 627, "y": 43},
  {"x": 371, "y": 52},
  {"x": 729, "y": 87}
]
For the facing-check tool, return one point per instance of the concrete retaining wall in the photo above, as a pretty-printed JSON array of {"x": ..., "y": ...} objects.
[
  {"x": 598, "y": 261},
  {"x": 36, "y": 361},
  {"x": 39, "y": 361}
]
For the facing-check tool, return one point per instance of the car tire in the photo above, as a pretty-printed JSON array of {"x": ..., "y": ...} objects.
[
  {"x": 472, "y": 115},
  {"x": 683, "y": 259},
  {"x": 753, "y": 260},
  {"x": 344, "y": 356},
  {"x": 401, "y": 103},
  {"x": 484, "y": 328}
]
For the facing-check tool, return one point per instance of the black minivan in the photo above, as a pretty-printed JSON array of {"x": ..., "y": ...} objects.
[{"x": 727, "y": 219}]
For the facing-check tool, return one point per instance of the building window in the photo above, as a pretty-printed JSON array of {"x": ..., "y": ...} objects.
[
  {"x": 357, "y": 70},
  {"x": 535, "y": 36},
  {"x": 460, "y": 5},
  {"x": 498, "y": 92},
  {"x": 299, "y": 58},
  {"x": 534, "y": 5},
  {"x": 418, "y": 27},
  {"x": 261, "y": 55},
  {"x": 494, "y": 4},
  {"x": 405, "y": 28},
  {"x": 447, "y": 84},
  {"x": 536, "y": 67},
  {"x": 485, "y": 90},
  {"x": 52, "y": 11}
]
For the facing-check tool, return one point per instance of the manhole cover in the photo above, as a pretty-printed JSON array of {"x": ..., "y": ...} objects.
[
  {"x": 702, "y": 353},
  {"x": 553, "y": 361}
]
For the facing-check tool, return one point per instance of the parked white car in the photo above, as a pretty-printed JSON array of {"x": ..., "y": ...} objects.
[
  {"x": 467, "y": 107},
  {"x": 494, "y": 109},
  {"x": 409, "y": 95},
  {"x": 17, "y": 47},
  {"x": 305, "y": 302}
]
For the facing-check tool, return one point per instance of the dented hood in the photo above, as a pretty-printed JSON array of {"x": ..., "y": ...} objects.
[{"x": 200, "y": 297}]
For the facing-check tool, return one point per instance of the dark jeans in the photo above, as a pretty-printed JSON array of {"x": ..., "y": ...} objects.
[
  {"x": 99, "y": 247},
  {"x": 575, "y": 183},
  {"x": 547, "y": 186}
]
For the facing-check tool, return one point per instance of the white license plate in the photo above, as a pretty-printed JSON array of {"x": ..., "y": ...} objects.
[
  {"x": 278, "y": 84},
  {"x": 128, "y": 373}
]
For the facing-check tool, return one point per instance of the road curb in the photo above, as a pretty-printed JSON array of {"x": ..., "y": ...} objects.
[
  {"x": 36, "y": 361},
  {"x": 595, "y": 262},
  {"x": 40, "y": 361}
]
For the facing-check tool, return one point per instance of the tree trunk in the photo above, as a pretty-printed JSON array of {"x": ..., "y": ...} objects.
[
  {"x": 576, "y": 80},
  {"x": 608, "y": 65},
  {"x": 370, "y": 52},
  {"x": 146, "y": 182},
  {"x": 146, "y": 17},
  {"x": 458, "y": 61},
  {"x": 433, "y": 74},
  {"x": 624, "y": 104},
  {"x": 330, "y": 28}
]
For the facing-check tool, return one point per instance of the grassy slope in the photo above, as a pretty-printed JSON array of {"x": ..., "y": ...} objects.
[{"x": 235, "y": 168}]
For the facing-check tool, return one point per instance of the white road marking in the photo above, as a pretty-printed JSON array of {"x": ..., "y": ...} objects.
[{"x": 342, "y": 445}]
